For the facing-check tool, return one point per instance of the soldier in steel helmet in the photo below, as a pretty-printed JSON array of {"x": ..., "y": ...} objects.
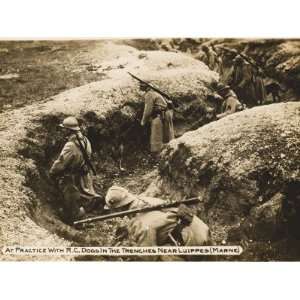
[
  {"x": 72, "y": 170},
  {"x": 242, "y": 82},
  {"x": 168, "y": 227},
  {"x": 158, "y": 113}
]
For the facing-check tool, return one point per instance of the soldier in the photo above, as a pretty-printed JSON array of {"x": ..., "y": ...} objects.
[
  {"x": 211, "y": 59},
  {"x": 242, "y": 83},
  {"x": 74, "y": 173},
  {"x": 227, "y": 70},
  {"x": 260, "y": 90},
  {"x": 172, "y": 226},
  {"x": 156, "y": 112},
  {"x": 230, "y": 104}
]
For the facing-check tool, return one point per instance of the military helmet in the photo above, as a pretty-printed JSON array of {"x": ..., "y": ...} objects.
[
  {"x": 143, "y": 85},
  {"x": 70, "y": 123},
  {"x": 204, "y": 48},
  {"x": 222, "y": 87},
  {"x": 238, "y": 60},
  {"x": 117, "y": 196}
]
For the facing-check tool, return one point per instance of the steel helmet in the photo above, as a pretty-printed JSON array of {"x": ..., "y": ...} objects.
[
  {"x": 239, "y": 60},
  {"x": 70, "y": 123},
  {"x": 117, "y": 196},
  {"x": 222, "y": 87}
]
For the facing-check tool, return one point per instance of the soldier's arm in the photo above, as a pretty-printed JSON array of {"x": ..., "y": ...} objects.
[
  {"x": 220, "y": 116},
  {"x": 223, "y": 109},
  {"x": 149, "y": 102},
  {"x": 64, "y": 160},
  {"x": 231, "y": 108}
]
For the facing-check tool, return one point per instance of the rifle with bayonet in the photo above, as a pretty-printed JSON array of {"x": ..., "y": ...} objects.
[
  {"x": 245, "y": 57},
  {"x": 169, "y": 100},
  {"x": 130, "y": 212}
]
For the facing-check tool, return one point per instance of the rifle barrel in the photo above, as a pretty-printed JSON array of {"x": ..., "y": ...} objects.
[
  {"x": 245, "y": 57},
  {"x": 151, "y": 86},
  {"x": 137, "y": 210}
]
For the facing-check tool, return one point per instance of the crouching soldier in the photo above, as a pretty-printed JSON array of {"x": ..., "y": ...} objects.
[
  {"x": 176, "y": 226},
  {"x": 160, "y": 116},
  {"x": 72, "y": 170},
  {"x": 230, "y": 104}
]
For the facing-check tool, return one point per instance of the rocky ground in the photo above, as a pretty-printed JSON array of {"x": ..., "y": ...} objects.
[{"x": 237, "y": 164}]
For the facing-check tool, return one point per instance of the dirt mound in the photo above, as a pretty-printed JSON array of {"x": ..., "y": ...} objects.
[
  {"x": 30, "y": 141},
  {"x": 237, "y": 165}
]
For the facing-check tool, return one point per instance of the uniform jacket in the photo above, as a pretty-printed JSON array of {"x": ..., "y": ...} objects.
[
  {"x": 69, "y": 165},
  {"x": 212, "y": 61},
  {"x": 152, "y": 228},
  {"x": 260, "y": 89},
  {"x": 161, "y": 118},
  {"x": 154, "y": 102},
  {"x": 243, "y": 84},
  {"x": 226, "y": 74}
]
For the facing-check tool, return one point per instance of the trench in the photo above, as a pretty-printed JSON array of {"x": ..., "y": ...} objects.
[
  {"x": 260, "y": 51},
  {"x": 44, "y": 142}
]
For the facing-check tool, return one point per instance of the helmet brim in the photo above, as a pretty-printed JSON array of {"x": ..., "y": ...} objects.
[{"x": 77, "y": 128}]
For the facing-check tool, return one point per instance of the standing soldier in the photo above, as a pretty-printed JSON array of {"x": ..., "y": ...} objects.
[
  {"x": 73, "y": 169},
  {"x": 176, "y": 226},
  {"x": 156, "y": 112},
  {"x": 211, "y": 59},
  {"x": 260, "y": 90},
  {"x": 227, "y": 70},
  {"x": 243, "y": 83}
]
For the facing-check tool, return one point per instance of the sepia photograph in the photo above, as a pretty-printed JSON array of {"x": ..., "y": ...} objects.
[{"x": 150, "y": 149}]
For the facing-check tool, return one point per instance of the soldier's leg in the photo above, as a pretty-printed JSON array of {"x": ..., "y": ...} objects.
[
  {"x": 156, "y": 138},
  {"x": 71, "y": 203},
  {"x": 168, "y": 127}
]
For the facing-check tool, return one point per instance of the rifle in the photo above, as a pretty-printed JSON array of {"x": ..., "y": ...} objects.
[
  {"x": 169, "y": 99},
  {"x": 129, "y": 212},
  {"x": 246, "y": 58},
  {"x": 85, "y": 155}
]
